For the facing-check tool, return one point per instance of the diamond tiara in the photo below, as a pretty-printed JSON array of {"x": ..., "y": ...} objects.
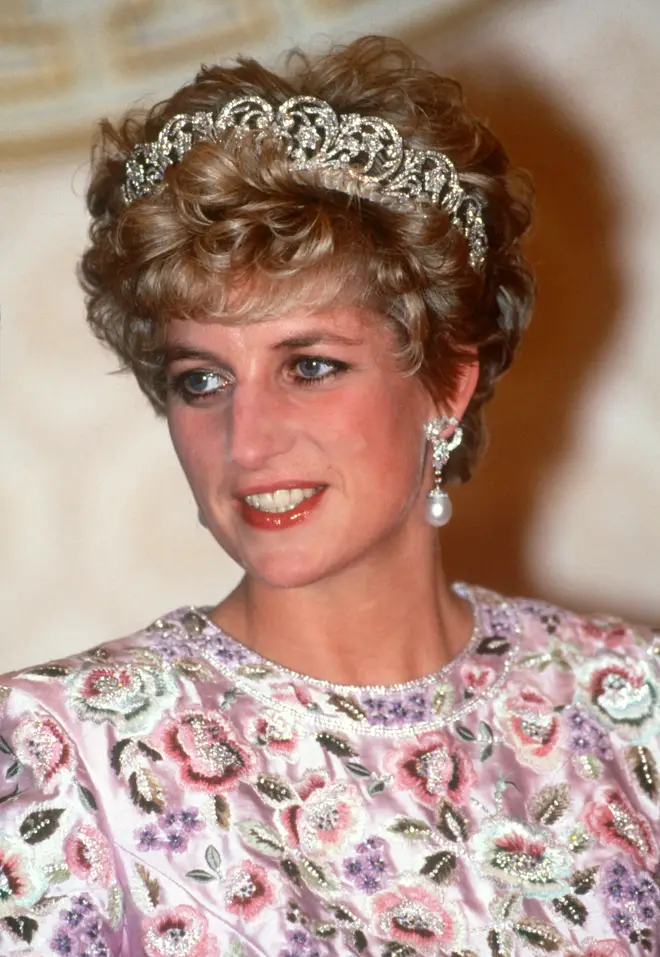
[{"x": 367, "y": 149}]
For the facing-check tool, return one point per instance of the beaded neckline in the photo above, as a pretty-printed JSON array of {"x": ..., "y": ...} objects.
[{"x": 415, "y": 706}]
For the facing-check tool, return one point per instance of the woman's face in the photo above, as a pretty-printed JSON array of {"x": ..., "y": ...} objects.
[{"x": 301, "y": 440}]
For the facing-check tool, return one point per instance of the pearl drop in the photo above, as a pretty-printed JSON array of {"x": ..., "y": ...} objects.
[{"x": 438, "y": 508}]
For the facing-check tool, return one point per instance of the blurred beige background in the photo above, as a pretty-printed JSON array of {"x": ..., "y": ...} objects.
[{"x": 98, "y": 533}]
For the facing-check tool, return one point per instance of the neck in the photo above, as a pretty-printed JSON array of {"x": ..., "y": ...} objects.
[{"x": 382, "y": 623}]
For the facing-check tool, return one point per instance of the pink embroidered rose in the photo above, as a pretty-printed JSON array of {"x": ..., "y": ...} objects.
[
  {"x": 531, "y": 726},
  {"x": 609, "y": 634},
  {"x": 22, "y": 881},
  {"x": 328, "y": 817},
  {"x": 89, "y": 856},
  {"x": 181, "y": 931},
  {"x": 210, "y": 758},
  {"x": 131, "y": 697},
  {"x": 621, "y": 692},
  {"x": 275, "y": 733},
  {"x": 521, "y": 858},
  {"x": 598, "y": 948},
  {"x": 248, "y": 891},
  {"x": 612, "y": 820},
  {"x": 42, "y": 744},
  {"x": 432, "y": 767},
  {"x": 476, "y": 679},
  {"x": 414, "y": 915}
]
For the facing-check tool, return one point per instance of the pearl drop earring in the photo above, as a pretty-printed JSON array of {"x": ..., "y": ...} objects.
[{"x": 438, "y": 503}]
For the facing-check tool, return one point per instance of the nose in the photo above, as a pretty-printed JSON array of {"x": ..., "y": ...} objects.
[{"x": 260, "y": 426}]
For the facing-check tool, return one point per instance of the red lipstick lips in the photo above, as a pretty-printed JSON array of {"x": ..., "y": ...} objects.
[{"x": 278, "y": 521}]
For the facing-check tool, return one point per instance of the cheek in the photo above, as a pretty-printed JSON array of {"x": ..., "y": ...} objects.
[{"x": 191, "y": 441}]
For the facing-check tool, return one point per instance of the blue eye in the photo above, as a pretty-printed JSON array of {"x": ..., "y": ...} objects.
[
  {"x": 199, "y": 384},
  {"x": 314, "y": 368}
]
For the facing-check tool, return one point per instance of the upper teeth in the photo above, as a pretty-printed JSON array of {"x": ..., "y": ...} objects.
[{"x": 282, "y": 500}]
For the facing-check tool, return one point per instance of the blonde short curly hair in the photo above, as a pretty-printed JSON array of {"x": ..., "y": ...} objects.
[{"x": 236, "y": 235}]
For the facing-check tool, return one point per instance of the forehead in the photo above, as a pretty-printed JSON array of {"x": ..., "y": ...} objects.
[{"x": 298, "y": 327}]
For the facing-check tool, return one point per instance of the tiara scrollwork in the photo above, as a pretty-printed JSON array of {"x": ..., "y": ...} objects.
[{"x": 367, "y": 149}]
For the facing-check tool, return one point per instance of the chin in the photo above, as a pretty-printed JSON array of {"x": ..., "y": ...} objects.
[{"x": 286, "y": 571}]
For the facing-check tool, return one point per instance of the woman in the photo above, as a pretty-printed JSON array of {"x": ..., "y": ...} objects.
[{"x": 318, "y": 280}]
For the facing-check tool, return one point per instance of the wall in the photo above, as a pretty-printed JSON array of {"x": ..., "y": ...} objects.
[{"x": 98, "y": 532}]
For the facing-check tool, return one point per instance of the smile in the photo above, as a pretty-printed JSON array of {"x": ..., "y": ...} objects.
[
  {"x": 281, "y": 500},
  {"x": 280, "y": 509}
]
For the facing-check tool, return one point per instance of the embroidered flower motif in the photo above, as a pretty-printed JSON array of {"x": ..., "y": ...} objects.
[
  {"x": 131, "y": 697},
  {"x": 632, "y": 899},
  {"x": 622, "y": 693},
  {"x": 88, "y": 855},
  {"x": 22, "y": 881},
  {"x": 179, "y": 932},
  {"x": 328, "y": 817},
  {"x": 300, "y": 943},
  {"x": 433, "y": 766},
  {"x": 203, "y": 744},
  {"x": 275, "y": 733},
  {"x": 42, "y": 744},
  {"x": 415, "y": 916},
  {"x": 615, "y": 635},
  {"x": 81, "y": 930},
  {"x": 367, "y": 870},
  {"x": 476, "y": 678},
  {"x": 531, "y": 726},
  {"x": 523, "y": 858},
  {"x": 248, "y": 891},
  {"x": 612, "y": 820}
]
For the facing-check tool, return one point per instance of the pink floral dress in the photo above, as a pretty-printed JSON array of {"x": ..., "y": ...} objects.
[{"x": 174, "y": 794}]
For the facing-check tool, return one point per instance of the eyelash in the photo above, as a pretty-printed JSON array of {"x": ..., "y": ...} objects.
[{"x": 178, "y": 383}]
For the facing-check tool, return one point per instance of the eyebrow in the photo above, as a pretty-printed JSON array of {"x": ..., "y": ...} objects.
[
  {"x": 314, "y": 338},
  {"x": 177, "y": 351}
]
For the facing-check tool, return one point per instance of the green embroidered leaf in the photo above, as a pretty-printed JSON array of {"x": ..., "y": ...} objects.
[
  {"x": 550, "y": 803},
  {"x": 644, "y": 769},
  {"x": 324, "y": 931},
  {"x": 87, "y": 799},
  {"x": 376, "y": 787},
  {"x": 14, "y": 770},
  {"x": 587, "y": 766},
  {"x": 441, "y": 699},
  {"x": 275, "y": 790},
  {"x": 255, "y": 672},
  {"x": 116, "y": 753},
  {"x": 343, "y": 915},
  {"x": 571, "y": 909},
  {"x": 463, "y": 953},
  {"x": 358, "y": 769},
  {"x": 578, "y": 839},
  {"x": 500, "y": 943},
  {"x": 464, "y": 733},
  {"x": 503, "y": 907},
  {"x": 40, "y": 825},
  {"x": 213, "y": 859},
  {"x": 347, "y": 706},
  {"x": 236, "y": 948},
  {"x": 359, "y": 940},
  {"x": 409, "y": 827},
  {"x": 583, "y": 881},
  {"x": 22, "y": 927},
  {"x": 9, "y": 795},
  {"x": 115, "y": 906},
  {"x": 493, "y": 645},
  {"x": 262, "y": 837},
  {"x": 485, "y": 735},
  {"x": 150, "y": 752},
  {"x": 393, "y": 949},
  {"x": 4, "y": 746},
  {"x": 203, "y": 877},
  {"x": 48, "y": 671},
  {"x": 149, "y": 884},
  {"x": 451, "y": 822},
  {"x": 314, "y": 875},
  {"x": 46, "y": 905},
  {"x": 539, "y": 933},
  {"x": 193, "y": 622},
  {"x": 439, "y": 867},
  {"x": 291, "y": 870},
  {"x": 222, "y": 811},
  {"x": 146, "y": 791},
  {"x": 58, "y": 874},
  {"x": 336, "y": 744}
]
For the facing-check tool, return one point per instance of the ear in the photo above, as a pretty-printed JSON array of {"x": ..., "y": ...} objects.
[{"x": 466, "y": 377}]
